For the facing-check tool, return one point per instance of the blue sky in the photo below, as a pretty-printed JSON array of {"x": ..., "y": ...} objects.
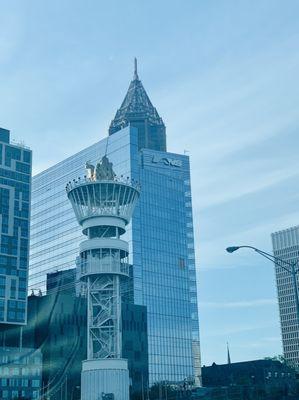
[{"x": 224, "y": 77}]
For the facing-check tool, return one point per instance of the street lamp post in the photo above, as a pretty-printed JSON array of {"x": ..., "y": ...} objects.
[{"x": 291, "y": 267}]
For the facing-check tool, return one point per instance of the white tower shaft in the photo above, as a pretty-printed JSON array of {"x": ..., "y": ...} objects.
[{"x": 103, "y": 208}]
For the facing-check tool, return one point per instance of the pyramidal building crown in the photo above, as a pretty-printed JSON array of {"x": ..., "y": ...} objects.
[{"x": 138, "y": 111}]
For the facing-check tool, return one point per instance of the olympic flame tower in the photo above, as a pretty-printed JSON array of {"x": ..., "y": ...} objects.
[{"x": 103, "y": 205}]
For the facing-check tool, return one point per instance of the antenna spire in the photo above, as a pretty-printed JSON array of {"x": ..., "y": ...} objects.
[
  {"x": 228, "y": 354},
  {"x": 135, "y": 69}
]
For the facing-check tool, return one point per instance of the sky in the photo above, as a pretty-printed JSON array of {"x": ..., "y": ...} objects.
[{"x": 224, "y": 77}]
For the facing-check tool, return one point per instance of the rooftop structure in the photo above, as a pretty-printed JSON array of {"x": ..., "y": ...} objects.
[{"x": 137, "y": 110}]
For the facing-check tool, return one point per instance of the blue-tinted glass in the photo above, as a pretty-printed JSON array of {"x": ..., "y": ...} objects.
[
  {"x": 14, "y": 224},
  {"x": 160, "y": 239}
]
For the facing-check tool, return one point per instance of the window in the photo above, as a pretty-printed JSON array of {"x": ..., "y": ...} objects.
[
  {"x": 13, "y": 382},
  {"x": 37, "y": 360},
  {"x": 12, "y": 315}
]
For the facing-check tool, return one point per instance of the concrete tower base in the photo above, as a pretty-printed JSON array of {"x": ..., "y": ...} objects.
[{"x": 105, "y": 376}]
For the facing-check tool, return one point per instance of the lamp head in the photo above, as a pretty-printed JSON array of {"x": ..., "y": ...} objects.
[{"x": 232, "y": 249}]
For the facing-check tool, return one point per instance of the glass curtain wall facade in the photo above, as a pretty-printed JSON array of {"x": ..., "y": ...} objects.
[
  {"x": 55, "y": 234},
  {"x": 163, "y": 231},
  {"x": 160, "y": 238},
  {"x": 286, "y": 246},
  {"x": 15, "y": 188}
]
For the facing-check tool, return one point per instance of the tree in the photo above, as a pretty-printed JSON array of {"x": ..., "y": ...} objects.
[
  {"x": 162, "y": 390},
  {"x": 279, "y": 358}
]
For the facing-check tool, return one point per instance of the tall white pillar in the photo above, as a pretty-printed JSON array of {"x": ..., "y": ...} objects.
[{"x": 103, "y": 206}]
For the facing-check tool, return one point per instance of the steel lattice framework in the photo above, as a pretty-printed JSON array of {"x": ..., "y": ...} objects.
[{"x": 104, "y": 313}]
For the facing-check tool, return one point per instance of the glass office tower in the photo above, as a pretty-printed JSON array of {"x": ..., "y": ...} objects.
[
  {"x": 15, "y": 186},
  {"x": 286, "y": 246},
  {"x": 160, "y": 236}
]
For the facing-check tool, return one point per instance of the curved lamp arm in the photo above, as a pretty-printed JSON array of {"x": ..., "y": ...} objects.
[{"x": 269, "y": 257}]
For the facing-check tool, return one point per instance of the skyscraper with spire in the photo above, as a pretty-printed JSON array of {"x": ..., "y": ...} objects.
[
  {"x": 137, "y": 111},
  {"x": 160, "y": 235}
]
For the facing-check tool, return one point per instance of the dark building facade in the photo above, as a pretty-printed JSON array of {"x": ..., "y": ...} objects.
[
  {"x": 135, "y": 346},
  {"x": 137, "y": 111},
  {"x": 57, "y": 326},
  {"x": 254, "y": 379}
]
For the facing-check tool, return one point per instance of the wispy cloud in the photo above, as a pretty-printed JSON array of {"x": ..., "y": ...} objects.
[
  {"x": 236, "y": 330},
  {"x": 239, "y": 304},
  {"x": 265, "y": 341}
]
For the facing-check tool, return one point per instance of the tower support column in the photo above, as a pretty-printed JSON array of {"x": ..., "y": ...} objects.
[
  {"x": 106, "y": 376},
  {"x": 103, "y": 206}
]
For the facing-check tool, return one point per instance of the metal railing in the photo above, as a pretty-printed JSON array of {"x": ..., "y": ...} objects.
[{"x": 107, "y": 265}]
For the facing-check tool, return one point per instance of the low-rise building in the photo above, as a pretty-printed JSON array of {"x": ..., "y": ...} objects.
[{"x": 256, "y": 378}]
